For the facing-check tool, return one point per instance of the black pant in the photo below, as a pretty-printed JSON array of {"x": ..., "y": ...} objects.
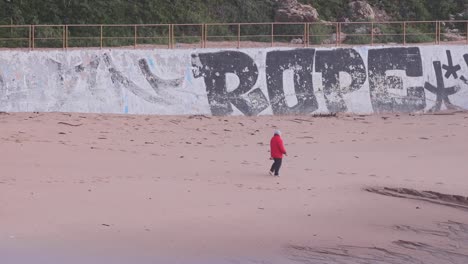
[{"x": 276, "y": 166}]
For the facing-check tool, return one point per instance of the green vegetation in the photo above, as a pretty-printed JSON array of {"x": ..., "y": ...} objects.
[
  {"x": 133, "y": 11},
  {"x": 200, "y": 11}
]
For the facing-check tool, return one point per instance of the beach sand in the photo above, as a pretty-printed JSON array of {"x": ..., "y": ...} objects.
[{"x": 89, "y": 188}]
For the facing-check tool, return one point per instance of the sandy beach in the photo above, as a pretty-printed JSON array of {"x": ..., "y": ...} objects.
[{"x": 92, "y": 188}]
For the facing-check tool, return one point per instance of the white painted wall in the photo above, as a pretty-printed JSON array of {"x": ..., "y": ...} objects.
[{"x": 65, "y": 81}]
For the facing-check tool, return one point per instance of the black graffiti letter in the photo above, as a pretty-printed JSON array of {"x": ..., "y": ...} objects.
[
  {"x": 119, "y": 80},
  {"x": 214, "y": 67},
  {"x": 383, "y": 60},
  {"x": 2, "y": 88},
  {"x": 155, "y": 81},
  {"x": 330, "y": 63},
  {"x": 1, "y": 82},
  {"x": 301, "y": 62},
  {"x": 463, "y": 78}
]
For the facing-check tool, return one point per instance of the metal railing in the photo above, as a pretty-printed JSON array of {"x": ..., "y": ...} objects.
[{"x": 233, "y": 35}]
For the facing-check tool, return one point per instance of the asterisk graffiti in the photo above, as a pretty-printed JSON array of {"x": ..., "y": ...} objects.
[
  {"x": 441, "y": 91},
  {"x": 450, "y": 68}
]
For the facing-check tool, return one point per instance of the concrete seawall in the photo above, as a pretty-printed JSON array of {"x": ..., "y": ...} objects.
[{"x": 236, "y": 82}]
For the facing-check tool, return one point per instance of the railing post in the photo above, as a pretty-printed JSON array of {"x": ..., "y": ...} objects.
[
  {"x": 174, "y": 42},
  {"x": 100, "y": 38},
  {"x": 272, "y": 34},
  {"x": 172, "y": 36},
  {"x": 30, "y": 34},
  {"x": 33, "y": 33},
  {"x": 238, "y": 35},
  {"x": 169, "y": 36},
  {"x": 466, "y": 31},
  {"x": 338, "y": 33},
  {"x": 304, "y": 35},
  {"x": 438, "y": 32},
  {"x": 372, "y": 34},
  {"x": 206, "y": 35},
  {"x": 202, "y": 35},
  {"x": 404, "y": 33},
  {"x": 135, "y": 37},
  {"x": 63, "y": 36},
  {"x": 307, "y": 34},
  {"x": 341, "y": 31}
]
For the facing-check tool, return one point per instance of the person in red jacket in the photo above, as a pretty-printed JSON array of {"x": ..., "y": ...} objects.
[{"x": 277, "y": 151}]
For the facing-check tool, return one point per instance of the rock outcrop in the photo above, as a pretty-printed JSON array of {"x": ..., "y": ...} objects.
[
  {"x": 360, "y": 11},
  {"x": 293, "y": 11}
]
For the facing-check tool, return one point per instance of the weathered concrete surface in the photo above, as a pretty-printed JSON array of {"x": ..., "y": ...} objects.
[{"x": 234, "y": 82}]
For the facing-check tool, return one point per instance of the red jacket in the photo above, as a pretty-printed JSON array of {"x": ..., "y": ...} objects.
[{"x": 277, "y": 147}]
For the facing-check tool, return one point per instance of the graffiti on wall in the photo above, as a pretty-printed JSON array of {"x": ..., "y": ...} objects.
[
  {"x": 66, "y": 75},
  {"x": 248, "y": 82},
  {"x": 213, "y": 67}
]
